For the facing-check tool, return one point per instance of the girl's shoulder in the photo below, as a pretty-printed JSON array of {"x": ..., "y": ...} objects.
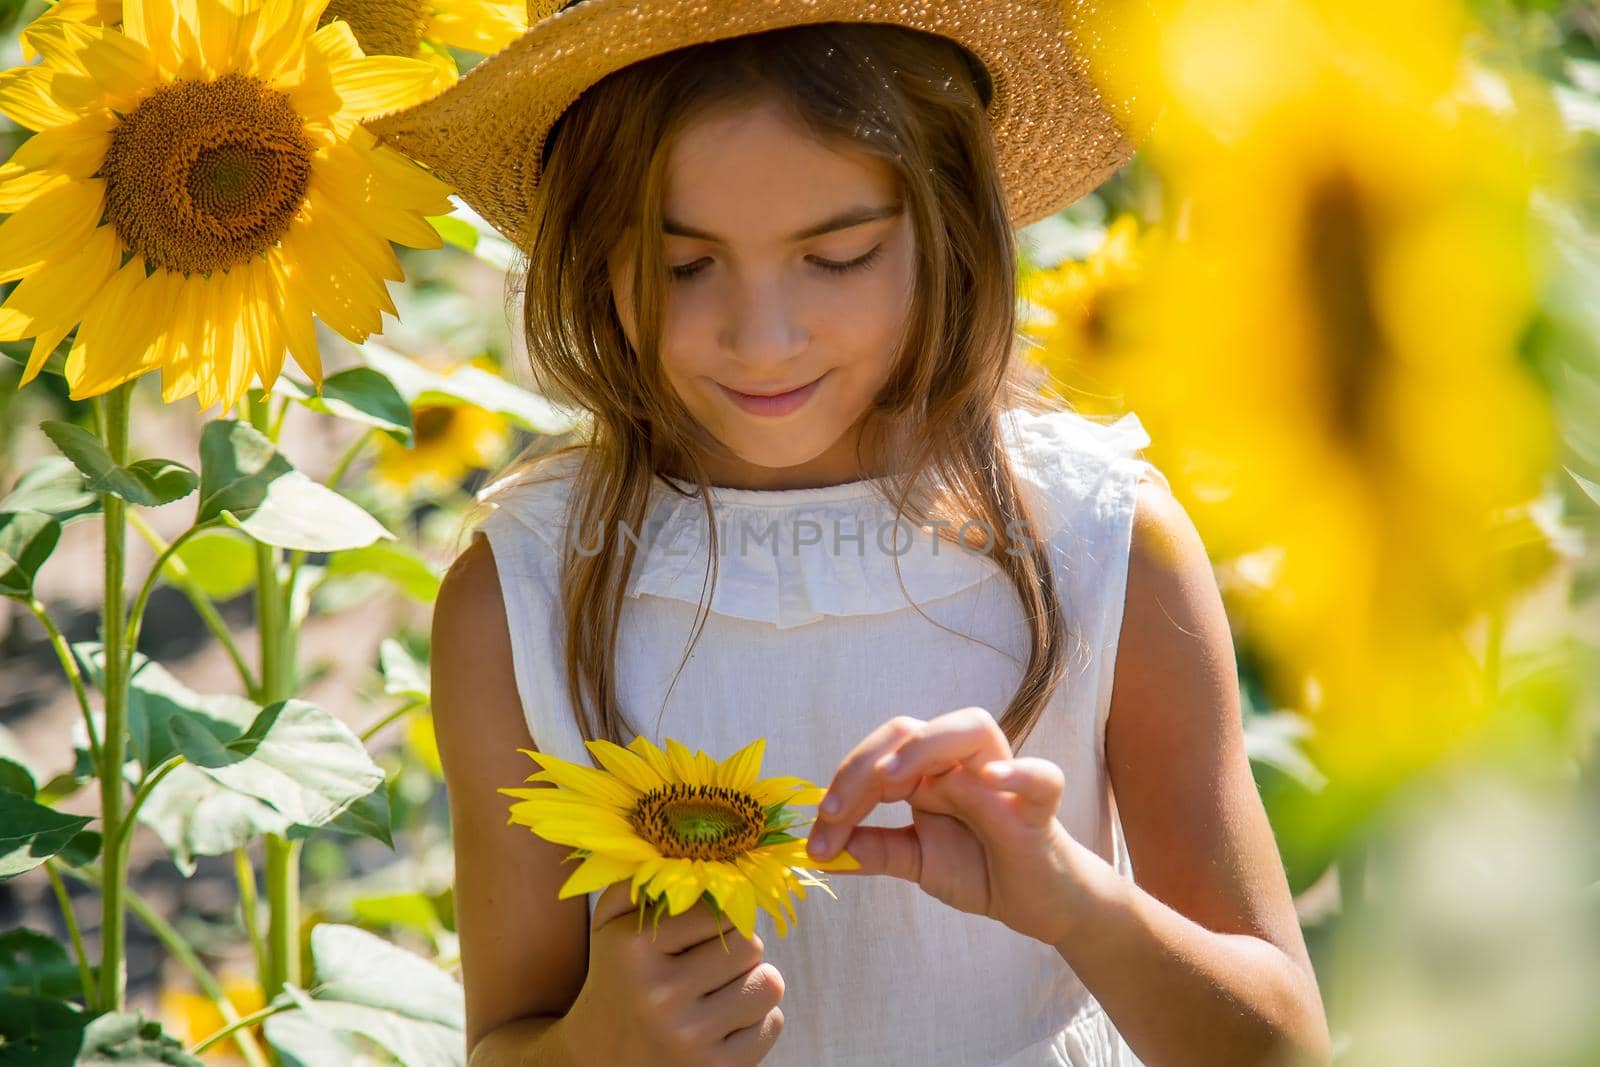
[{"x": 1084, "y": 468}]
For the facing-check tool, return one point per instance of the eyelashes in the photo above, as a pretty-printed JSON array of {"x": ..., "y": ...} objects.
[{"x": 865, "y": 262}]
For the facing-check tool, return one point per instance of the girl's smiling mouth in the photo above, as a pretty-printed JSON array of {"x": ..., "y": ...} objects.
[{"x": 774, "y": 404}]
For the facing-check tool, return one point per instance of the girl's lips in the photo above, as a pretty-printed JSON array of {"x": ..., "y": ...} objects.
[{"x": 781, "y": 404}]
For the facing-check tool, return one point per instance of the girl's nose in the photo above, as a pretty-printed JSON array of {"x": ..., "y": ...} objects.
[{"x": 764, "y": 328}]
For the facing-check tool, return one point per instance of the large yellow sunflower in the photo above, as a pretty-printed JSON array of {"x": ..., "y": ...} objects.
[
  {"x": 199, "y": 186},
  {"x": 680, "y": 825},
  {"x": 1330, "y": 360}
]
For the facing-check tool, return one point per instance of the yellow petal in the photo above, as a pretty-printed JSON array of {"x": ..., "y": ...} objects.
[
  {"x": 596, "y": 872},
  {"x": 642, "y": 747},
  {"x": 28, "y": 98},
  {"x": 734, "y": 895},
  {"x": 112, "y": 345},
  {"x": 57, "y": 294},
  {"x": 626, "y": 765},
  {"x": 294, "y": 315},
  {"x": 375, "y": 85},
  {"x": 771, "y": 790},
  {"x": 584, "y": 780},
  {"x": 741, "y": 770},
  {"x": 344, "y": 297},
  {"x": 685, "y": 767},
  {"x": 154, "y": 24},
  {"x": 49, "y": 226}
]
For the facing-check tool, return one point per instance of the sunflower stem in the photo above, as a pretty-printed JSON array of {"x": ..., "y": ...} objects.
[
  {"x": 277, "y": 683},
  {"x": 113, "y": 419}
]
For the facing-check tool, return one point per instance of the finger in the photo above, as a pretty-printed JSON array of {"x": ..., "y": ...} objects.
[
  {"x": 846, "y": 799},
  {"x": 752, "y": 1044},
  {"x": 612, "y": 902},
  {"x": 1037, "y": 783},
  {"x": 746, "y": 999},
  {"x": 965, "y": 734},
  {"x": 709, "y": 966},
  {"x": 969, "y": 737},
  {"x": 895, "y": 851}
]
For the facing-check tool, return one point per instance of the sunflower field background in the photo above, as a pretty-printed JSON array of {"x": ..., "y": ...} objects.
[{"x": 1351, "y": 285}]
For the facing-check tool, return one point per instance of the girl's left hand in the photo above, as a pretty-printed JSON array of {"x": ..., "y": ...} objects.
[{"x": 984, "y": 836}]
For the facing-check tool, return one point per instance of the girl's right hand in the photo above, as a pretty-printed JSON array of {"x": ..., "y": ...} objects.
[{"x": 679, "y": 998}]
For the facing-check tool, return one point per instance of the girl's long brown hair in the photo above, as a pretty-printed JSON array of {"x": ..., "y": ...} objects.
[{"x": 913, "y": 99}]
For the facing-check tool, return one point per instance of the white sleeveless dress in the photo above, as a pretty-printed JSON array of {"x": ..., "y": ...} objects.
[{"x": 811, "y": 644}]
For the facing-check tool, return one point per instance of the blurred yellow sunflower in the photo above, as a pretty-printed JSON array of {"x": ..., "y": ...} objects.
[
  {"x": 192, "y": 1017},
  {"x": 199, "y": 186},
  {"x": 1332, "y": 375},
  {"x": 423, "y": 28},
  {"x": 682, "y": 826},
  {"x": 447, "y": 441},
  {"x": 1079, "y": 317}
]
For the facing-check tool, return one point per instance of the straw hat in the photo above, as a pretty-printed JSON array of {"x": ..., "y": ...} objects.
[{"x": 1057, "y": 139}]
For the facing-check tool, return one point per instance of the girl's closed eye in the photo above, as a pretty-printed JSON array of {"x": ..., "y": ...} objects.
[{"x": 864, "y": 262}]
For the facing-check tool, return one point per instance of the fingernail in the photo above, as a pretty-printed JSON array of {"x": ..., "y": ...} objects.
[
  {"x": 817, "y": 846},
  {"x": 831, "y": 804}
]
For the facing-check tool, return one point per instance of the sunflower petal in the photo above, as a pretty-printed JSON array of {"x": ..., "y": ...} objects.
[
  {"x": 56, "y": 220},
  {"x": 584, "y": 780},
  {"x": 154, "y": 24},
  {"x": 642, "y": 747},
  {"x": 294, "y": 314},
  {"x": 375, "y": 85},
  {"x": 628, "y": 766},
  {"x": 596, "y": 872},
  {"x": 59, "y": 291},
  {"x": 741, "y": 770},
  {"x": 685, "y": 767},
  {"x": 113, "y": 343},
  {"x": 27, "y": 97}
]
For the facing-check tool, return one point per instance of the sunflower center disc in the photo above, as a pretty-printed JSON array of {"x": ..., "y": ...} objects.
[
  {"x": 431, "y": 422},
  {"x": 382, "y": 27},
  {"x": 202, "y": 176},
  {"x": 703, "y": 822}
]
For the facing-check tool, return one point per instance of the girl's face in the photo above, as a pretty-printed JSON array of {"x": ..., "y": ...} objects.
[{"x": 791, "y": 268}]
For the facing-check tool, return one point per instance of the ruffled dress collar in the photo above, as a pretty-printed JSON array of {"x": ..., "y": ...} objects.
[{"x": 790, "y": 557}]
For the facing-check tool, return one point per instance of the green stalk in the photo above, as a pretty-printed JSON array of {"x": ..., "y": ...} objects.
[
  {"x": 207, "y": 611},
  {"x": 136, "y": 615},
  {"x": 244, "y": 873},
  {"x": 70, "y": 917},
  {"x": 277, "y": 683},
  {"x": 70, "y": 667},
  {"x": 410, "y": 705},
  {"x": 113, "y": 933},
  {"x": 240, "y": 1023}
]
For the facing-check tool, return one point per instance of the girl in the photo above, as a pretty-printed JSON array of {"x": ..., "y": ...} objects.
[{"x": 770, "y": 252}]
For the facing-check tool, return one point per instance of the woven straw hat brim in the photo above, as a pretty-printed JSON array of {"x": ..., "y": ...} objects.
[{"x": 1056, "y": 138}]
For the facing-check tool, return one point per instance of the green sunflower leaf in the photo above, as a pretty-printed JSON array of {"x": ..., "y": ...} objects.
[
  {"x": 26, "y": 540},
  {"x": 31, "y": 833},
  {"x": 246, "y": 482},
  {"x": 148, "y": 482},
  {"x": 55, "y": 486},
  {"x": 360, "y": 395}
]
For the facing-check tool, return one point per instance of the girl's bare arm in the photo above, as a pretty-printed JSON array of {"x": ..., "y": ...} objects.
[
  {"x": 1202, "y": 961},
  {"x": 524, "y": 954}
]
